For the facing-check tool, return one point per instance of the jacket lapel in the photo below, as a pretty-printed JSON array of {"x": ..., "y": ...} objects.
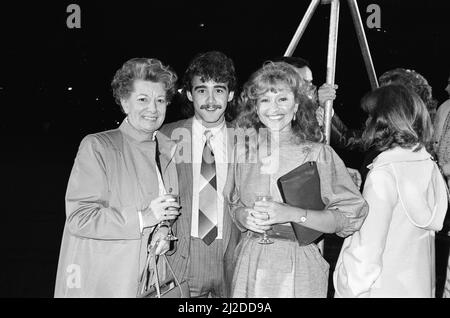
[
  {"x": 186, "y": 184},
  {"x": 167, "y": 149}
]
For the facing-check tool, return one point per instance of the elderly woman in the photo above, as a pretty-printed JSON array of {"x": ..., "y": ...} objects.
[
  {"x": 275, "y": 98},
  {"x": 116, "y": 195}
]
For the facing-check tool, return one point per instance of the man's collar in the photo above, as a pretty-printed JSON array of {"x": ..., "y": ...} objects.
[{"x": 197, "y": 125}]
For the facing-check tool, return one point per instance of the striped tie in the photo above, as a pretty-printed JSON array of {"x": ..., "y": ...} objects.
[{"x": 207, "y": 222}]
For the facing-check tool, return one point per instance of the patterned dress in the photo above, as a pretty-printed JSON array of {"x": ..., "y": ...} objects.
[{"x": 285, "y": 269}]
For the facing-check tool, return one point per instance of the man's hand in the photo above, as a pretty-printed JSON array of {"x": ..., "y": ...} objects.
[{"x": 326, "y": 92}]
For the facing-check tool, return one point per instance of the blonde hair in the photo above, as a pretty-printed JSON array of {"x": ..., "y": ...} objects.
[{"x": 268, "y": 78}]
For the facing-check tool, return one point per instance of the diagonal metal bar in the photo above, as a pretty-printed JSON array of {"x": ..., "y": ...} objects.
[
  {"x": 301, "y": 28},
  {"x": 363, "y": 43}
]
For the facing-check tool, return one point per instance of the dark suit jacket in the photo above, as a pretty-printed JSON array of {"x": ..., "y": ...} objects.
[{"x": 181, "y": 132}]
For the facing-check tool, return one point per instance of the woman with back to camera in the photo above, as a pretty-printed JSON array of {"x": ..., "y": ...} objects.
[
  {"x": 275, "y": 99},
  {"x": 116, "y": 201},
  {"x": 393, "y": 253}
]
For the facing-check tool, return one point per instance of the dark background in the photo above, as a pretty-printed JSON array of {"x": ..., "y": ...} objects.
[{"x": 43, "y": 120}]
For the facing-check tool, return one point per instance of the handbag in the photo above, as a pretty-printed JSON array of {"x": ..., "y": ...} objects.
[
  {"x": 300, "y": 187},
  {"x": 170, "y": 287}
]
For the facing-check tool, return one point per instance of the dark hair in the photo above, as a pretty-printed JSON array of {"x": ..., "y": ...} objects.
[
  {"x": 298, "y": 62},
  {"x": 146, "y": 69},
  {"x": 214, "y": 66},
  {"x": 414, "y": 81},
  {"x": 397, "y": 117},
  {"x": 268, "y": 77}
]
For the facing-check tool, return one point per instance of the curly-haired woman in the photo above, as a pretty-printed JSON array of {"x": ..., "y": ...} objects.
[
  {"x": 116, "y": 196},
  {"x": 275, "y": 100}
]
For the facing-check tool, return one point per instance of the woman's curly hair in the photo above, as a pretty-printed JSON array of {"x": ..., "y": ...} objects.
[
  {"x": 268, "y": 78},
  {"x": 397, "y": 117},
  {"x": 414, "y": 81},
  {"x": 146, "y": 69}
]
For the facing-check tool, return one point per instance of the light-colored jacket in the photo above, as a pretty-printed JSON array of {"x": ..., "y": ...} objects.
[
  {"x": 103, "y": 250},
  {"x": 393, "y": 254}
]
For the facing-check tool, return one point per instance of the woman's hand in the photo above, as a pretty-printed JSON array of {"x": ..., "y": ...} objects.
[
  {"x": 250, "y": 218},
  {"x": 275, "y": 213},
  {"x": 158, "y": 240},
  {"x": 163, "y": 208}
]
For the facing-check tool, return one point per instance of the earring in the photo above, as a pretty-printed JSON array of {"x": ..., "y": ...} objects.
[{"x": 294, "y": 118}]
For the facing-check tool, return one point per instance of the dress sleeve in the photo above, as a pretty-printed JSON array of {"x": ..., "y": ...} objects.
[
  {"x": 89, "y": 213},
  {"x": 339, "y": 193},
  {"x": 360, "y": 262}
]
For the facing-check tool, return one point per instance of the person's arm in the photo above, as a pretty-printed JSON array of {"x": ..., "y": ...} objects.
[
  {"x": 339, "y": 193},
  {"x": 343, "y": 137},
  {"x": 340, "y": 135},
  {"x": 345, "y": 208},
  {"x": 89, "y": 213},
  {"x": 361, "y": 259},
  {"x": 240, "y": 214}
]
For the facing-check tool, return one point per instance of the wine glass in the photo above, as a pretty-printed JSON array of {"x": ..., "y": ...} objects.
[
  {"x": 263, "y": 197},
  {"x": 174, "y": 198}
]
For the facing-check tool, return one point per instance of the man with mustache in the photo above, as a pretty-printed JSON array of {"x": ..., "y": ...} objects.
[{"x": 206, "y": 234}]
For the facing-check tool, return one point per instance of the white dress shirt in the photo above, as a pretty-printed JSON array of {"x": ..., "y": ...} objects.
[{"x": 218, "y": 143}]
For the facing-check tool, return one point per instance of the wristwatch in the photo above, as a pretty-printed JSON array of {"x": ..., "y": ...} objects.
[{"x": 303, "y": 218}]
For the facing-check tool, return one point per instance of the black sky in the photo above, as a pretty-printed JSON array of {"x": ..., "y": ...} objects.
[{"x": 41, "y": 57}]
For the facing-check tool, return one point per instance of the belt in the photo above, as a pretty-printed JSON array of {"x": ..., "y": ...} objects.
[{"x": 277, "y": 235}]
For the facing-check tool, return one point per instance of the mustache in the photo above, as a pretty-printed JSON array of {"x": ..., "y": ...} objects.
[{"x": 208, "y": 106}]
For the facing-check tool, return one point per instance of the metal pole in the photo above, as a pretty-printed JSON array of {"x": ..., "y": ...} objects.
[
  {"x": 363, "y": 43},
  {"x": 331, "y": 63},
  {"x": 301, "y": 28}
]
